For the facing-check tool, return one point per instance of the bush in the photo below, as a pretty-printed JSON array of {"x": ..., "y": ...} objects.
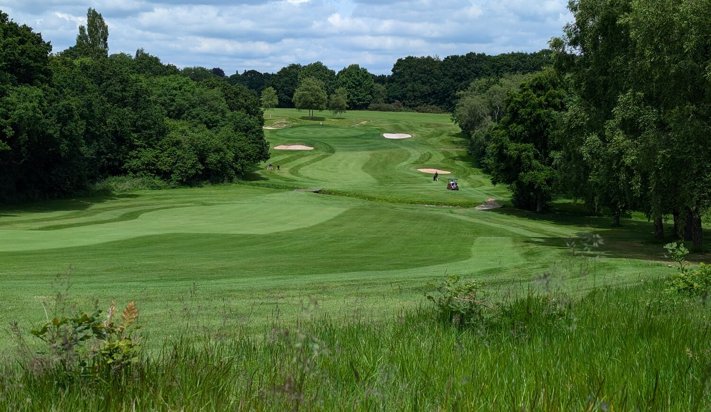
[
  {"x": 429, "y": 108},
  {"x": 84, "y": 345},
  {"x": 387, "y": 107},
  {"x": 121, "y": 184},
  {"x": 693, "y": 282},
  {"x": 459, "y": 303}
]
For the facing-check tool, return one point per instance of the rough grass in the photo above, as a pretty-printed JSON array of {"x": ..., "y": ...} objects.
[{"x": 613, "y": 349}]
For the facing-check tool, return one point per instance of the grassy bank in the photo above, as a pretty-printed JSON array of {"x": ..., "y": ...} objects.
[{"x": 636, "y": 348}]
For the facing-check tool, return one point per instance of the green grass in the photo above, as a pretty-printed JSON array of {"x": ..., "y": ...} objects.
[
  {"x": 235, "y": 259},
  {"x": 267, "y": 245},
  {"x": 615, "y": 349}
]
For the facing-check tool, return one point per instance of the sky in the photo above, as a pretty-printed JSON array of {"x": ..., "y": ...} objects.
[{"x": 268, "y": 35}]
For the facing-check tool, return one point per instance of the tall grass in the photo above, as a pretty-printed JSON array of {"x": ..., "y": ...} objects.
[{"x": 613, "y": 349}]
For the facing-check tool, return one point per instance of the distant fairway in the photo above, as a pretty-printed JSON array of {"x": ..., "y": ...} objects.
[{"x": 378, "y": 232}]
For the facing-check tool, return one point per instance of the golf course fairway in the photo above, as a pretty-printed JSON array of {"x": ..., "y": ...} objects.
[{"x": 349, "y": 229}]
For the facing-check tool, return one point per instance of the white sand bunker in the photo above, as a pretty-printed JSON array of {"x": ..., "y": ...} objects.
[
  {"x": 293, "y": 147},
  {"x": 433, "y": 171},
  {"x": 396, "y": 135},
  {"x": 490, "y": 203},
  {"x": 279, "y": 124}
]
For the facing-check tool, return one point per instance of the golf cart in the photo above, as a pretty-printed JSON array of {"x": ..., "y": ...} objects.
[{"x": 452, "y": 184}]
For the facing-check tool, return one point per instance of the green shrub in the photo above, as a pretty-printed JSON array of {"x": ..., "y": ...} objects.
[
  {"x": 458, "y": 302},
  {"x": 693, "y": 282},
  {"x": 85, "y": 345},
  {"x": 122, "y": 184},
  {"x": 677, "y": 252}
]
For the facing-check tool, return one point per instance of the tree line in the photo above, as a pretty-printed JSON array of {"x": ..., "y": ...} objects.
[
  {"x": 73, "y": 118},
  {"x": 416, "y": 83},
  {"x": 621, "y": 120}
]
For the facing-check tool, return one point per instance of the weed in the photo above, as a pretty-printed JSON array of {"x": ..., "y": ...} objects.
[
  {"x": 695, "y": 282},
  {"x": 458, "y": 302},
  {"x": 533, "y": 313},
  {"x": 677, "y": 252},
  {"x": 85, "y": 345}
]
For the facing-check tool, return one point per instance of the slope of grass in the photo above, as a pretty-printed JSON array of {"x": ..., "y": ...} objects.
[
  {"x": 370, "y": 242},
  {"x": 615, "y": 349}
]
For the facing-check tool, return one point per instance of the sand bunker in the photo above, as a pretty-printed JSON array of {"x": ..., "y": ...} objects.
[
  {"x": 293, "y": 147},
  {"x": 490, "y": 203},
  {"x": 433, "y": 171},
  {"x": 396, "y": 135}
]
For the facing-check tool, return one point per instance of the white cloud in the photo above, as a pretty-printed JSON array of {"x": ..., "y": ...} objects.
[{"x": 268, "y": 34}]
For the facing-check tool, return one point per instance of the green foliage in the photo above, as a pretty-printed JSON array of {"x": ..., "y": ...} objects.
[
  {"x": 125, "y": 184},
  {"x": 412, "y": 361},
  {"x": 677, "y": 252},
  {"x": 85, "y": 345},
  {"x": 310, "y": 95},
  {"x": 269, "y": 98},
  {"x": 534, "y": 314},
  {"x": 522, "y": 150},
  {"x": 638, "y": 134},
  {"x": 359, "y": 86},
  {"x": 320, "y": 72},
  {"x": 24, "y": 56},
  {"x": 93, "y": 39},
  {"x": 338, "y": 101},
  {"x": 285, "y": 82},
  {"x": 461, "y": 303},
  {"x": 692, "y": 282},
  {"x": 696, "y": 282}
]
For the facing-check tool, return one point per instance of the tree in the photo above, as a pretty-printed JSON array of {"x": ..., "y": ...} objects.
[
  {"x": 320, "y": 72},
  {"x": 338, "y": 102},
  {"x": 148, "y": 65},
  {"x": 522, "y": 150},
  {"x": 269, "y": 99},
  {"x": 93, "y": 39},
  {"x": 417, "y": 81},
  {"x": 359, "y": 85},
  {"x": 285, "y": 82},
  {"x": 480, "y": 107},
  {"x": 310, "y": 95},
  {"x": 628, "y": 56},
  {"x": 251, "y": 79},
  {"x": 23, "y": 55}
]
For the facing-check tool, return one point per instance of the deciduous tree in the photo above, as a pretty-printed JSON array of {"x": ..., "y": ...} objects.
[{"x": 310, "y": 95}]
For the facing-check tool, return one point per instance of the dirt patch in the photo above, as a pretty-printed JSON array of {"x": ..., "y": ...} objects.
[
  {"x": 433, "y": 171},
  {"x": 397, "y": 135},
  {"x": 490, "y": 203},
  {"x": 293, "y": 147}
]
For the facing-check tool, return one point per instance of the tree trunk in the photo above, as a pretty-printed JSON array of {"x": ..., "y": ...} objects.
[
  {"x": 616, "y": 218},
  {"x": 539, "y": 203},
  {"x": 659, "y": 228},
  {"x": 688, "y": 224},
  {"x": 697, "y": 232},
  {"x": 678, "y": 224}
]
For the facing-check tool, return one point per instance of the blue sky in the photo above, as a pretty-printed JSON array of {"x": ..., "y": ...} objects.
[{"x": 268, "y": 35}]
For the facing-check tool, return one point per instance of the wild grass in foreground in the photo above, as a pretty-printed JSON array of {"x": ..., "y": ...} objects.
[{"x": 640, "y": 348}]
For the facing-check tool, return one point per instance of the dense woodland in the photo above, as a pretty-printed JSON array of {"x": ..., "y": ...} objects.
[
  {"x": 622, "y": 120},
  {"x": 76, "y": 117},
  {"x": 617, "y": 113}
]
